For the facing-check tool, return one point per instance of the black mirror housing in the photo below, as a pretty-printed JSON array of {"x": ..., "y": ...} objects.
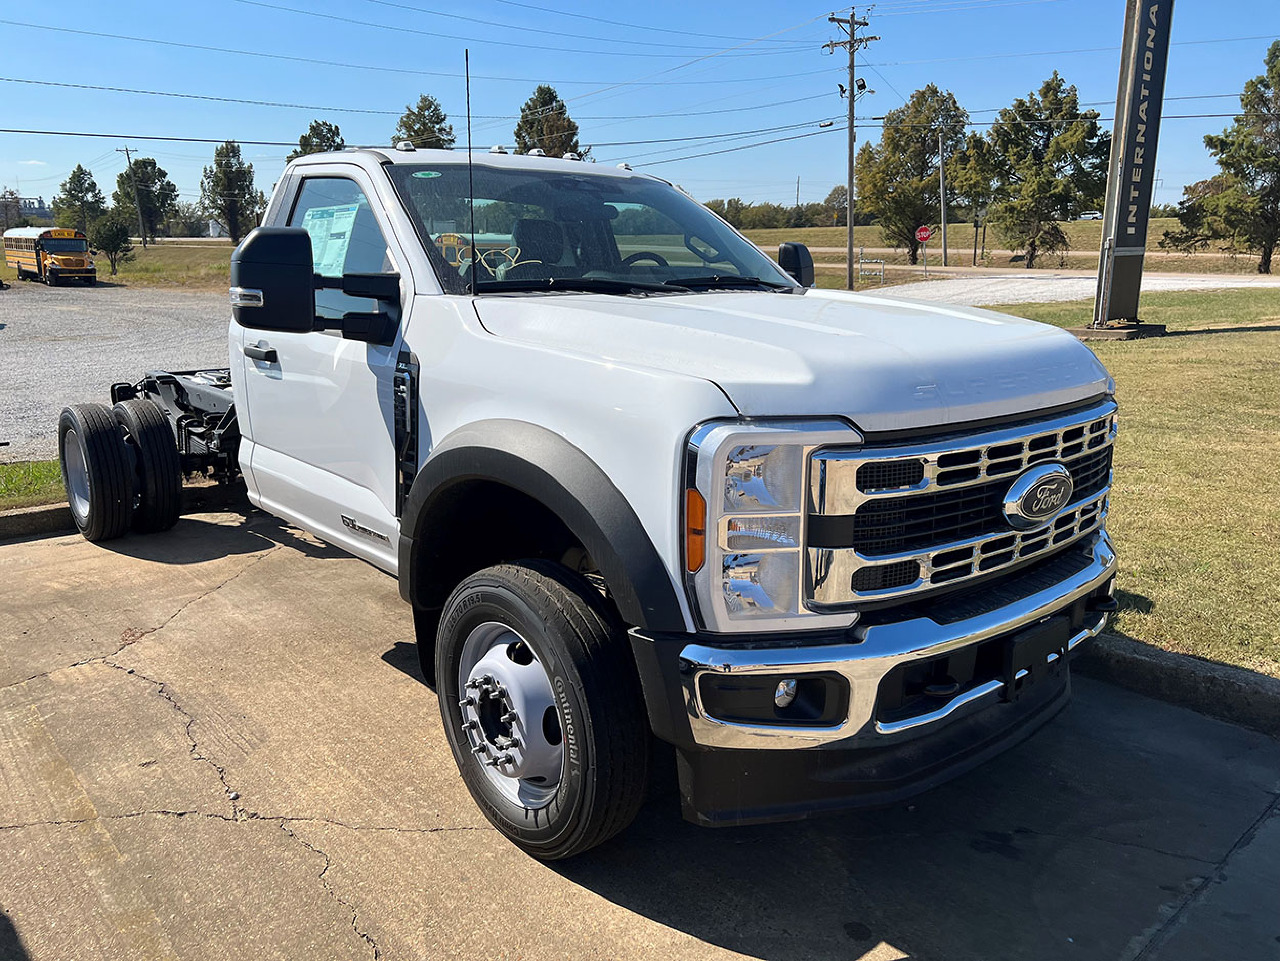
[
  {"x": 272, "y": 285},
  {"x": 796, "y": 260}
]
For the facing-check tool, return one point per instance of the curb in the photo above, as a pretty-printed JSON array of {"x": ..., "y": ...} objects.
[
  {"x": 1228, "y": 693},
  {"x": 52, "y": 519}
]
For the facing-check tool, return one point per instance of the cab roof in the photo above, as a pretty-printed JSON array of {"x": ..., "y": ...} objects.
[{"x": 479, "y": 158}]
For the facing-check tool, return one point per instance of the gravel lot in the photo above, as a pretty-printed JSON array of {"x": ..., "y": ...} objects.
[{"x": 62, "y": 345}]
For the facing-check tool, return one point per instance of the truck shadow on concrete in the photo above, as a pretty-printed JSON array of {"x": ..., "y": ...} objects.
[
  {"x": 11, "y": 948},
  {"x": 1082, "y": 842},
  {"x": 195, "y": 540}
]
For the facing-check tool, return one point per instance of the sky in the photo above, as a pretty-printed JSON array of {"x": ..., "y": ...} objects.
[{"x": 653, "y": 84}]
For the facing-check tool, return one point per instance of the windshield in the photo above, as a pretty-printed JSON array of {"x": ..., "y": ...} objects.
[
  {"x": 575, "y": 230},
  {"x": 64, "y": 245}
]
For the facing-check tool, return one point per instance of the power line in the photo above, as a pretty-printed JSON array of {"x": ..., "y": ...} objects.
[
  {"x": 436, "y": 35},
  {"x": 1054, "y": 53},
  {"x": 555, "y": 33},
  {"x": 749, "y": 146},
  {"x": 450, "y": 75},
  {"x": 197, "y": 96},
  {"x": 618, "y": 23}
]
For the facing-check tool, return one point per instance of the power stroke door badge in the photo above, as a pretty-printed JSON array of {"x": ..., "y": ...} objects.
[{"x": 352, "y": 524}]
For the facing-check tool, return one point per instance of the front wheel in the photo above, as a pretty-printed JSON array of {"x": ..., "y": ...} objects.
[{"x": 542, "y": 707}]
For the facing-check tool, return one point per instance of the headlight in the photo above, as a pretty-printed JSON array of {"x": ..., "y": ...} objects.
[{"x": 744, "y": 523}]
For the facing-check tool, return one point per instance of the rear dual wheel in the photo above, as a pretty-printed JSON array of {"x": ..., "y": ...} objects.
[{"x": 120, "y": 467}]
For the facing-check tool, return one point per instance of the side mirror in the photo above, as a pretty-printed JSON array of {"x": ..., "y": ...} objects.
[
  {"x": 272, "y": 285},
  {"x": 796, "y": 260}
]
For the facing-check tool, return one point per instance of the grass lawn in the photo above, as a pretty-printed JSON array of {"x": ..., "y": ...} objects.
[
  {"x": 1085, "y": 237},
  {"x": 29, "y": 483},
  {"x": 1196, "y": 507},
  {"x": 172, "y": 264},
  {"x": 175, "y": 265}
]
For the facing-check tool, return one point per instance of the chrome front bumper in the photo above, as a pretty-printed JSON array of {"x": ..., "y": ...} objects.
[{"x": 864, "y": 663}]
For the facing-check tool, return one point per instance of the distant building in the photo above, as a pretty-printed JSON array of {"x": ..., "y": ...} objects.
[{"x": 34, "y": 207}]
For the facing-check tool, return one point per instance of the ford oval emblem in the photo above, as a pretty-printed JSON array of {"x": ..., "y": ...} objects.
[{"x": 1037, "y": 496}]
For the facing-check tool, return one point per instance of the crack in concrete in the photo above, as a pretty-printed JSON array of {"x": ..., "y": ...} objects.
[
  {"x": 246, "y": 817},
  {"x": 134, "y": 635},
  {"x": 1161, "y": 933},
  {"x": 1115, "y": 842},
  {"x": 355, "y": 915}
]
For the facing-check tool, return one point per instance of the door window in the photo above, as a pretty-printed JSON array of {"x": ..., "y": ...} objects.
[{"x": 345, "y": 239}]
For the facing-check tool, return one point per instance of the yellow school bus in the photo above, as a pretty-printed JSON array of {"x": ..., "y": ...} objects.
[{"x": 51, "y": 254}]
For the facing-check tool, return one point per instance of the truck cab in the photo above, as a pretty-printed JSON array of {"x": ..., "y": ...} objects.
[{"x": 638, "y": 482}]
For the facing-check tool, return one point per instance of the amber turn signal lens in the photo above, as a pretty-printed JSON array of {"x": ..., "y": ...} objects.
[{"x": 695, "y": 531}]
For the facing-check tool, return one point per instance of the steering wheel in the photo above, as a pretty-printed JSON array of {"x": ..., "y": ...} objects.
[{"x": 640, "y": 255}]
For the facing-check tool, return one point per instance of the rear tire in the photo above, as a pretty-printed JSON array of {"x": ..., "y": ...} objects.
[
  {"x": 97, "y": 471},
  {"x": 157, "y": 479},
  {"x": 542, "y": 706}
]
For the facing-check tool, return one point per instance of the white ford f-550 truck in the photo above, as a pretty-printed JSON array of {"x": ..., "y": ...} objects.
[{"x": 639, "y": 482}]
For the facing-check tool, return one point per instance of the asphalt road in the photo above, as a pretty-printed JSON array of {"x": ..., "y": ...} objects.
[
  {"x": 214, "y": 744},
  {"x": 1044, "y": 288},
  {"x": 63, "y": 345}
]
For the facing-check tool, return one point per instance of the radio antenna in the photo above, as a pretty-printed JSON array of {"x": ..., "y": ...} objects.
[{"x": 471, "y": 181}]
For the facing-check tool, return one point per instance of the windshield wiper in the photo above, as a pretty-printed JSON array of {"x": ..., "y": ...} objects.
[
  {"x": 598, "y": 285},
  {"x": 719, "y": 282}
]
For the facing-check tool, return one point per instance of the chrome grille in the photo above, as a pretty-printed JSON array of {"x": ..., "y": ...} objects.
[{"x": 943, "y": 522}]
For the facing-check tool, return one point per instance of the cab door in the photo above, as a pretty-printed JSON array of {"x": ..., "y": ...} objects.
[{"x": 318, "y": 418}]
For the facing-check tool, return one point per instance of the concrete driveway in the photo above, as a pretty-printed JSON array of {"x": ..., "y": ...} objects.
[{"x": 214, "y": 744}]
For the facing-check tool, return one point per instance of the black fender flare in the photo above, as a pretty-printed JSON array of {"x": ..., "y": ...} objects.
[{"x": 543, "y": 465}]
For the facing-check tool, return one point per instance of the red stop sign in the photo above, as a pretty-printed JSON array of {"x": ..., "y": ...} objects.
[{"x": 923, "y": 234}]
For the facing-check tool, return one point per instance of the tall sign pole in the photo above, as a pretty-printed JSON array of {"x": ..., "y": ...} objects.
[
  {"x": 850, "y": 26},
  {"x": 1131, "y": 174}
]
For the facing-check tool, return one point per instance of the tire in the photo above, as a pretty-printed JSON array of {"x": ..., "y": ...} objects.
[
  {"x": 157, "y": 479},
  {"x": 513, "y": 624},
  {"x": 51, "y": 280},
  {"x": 97, "y": 470}
]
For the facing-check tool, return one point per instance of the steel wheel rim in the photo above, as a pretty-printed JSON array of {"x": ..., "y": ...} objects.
[
  {"x": 510, "y": 722},
  {"x": 77, "y": 475}
]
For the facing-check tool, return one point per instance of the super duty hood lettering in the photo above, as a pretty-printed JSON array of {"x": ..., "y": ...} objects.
[{"x": 889, "y": 364}]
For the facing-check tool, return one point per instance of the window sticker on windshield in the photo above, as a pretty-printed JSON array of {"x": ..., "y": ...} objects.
[
  {"x": 426, "y": 174},
  {"x": 330, "y": 230}
]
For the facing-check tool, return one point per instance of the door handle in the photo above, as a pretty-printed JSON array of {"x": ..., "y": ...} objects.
[{"x": 265, "y": 354}]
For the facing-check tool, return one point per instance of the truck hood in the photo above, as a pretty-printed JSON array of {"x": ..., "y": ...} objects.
[{"x": 885, "y": 363}]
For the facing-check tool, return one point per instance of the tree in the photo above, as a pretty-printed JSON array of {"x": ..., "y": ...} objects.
[
  {"x": 1241, "y": 204},
  {"x": 79, "y": 201},
  {"x": 227, "y": 193},
  {"x": 898, "y": 178},
  {"x": 545, "y": 124},
  {"x": 320, "y": 137},
  {"x": 837, "y": 204},
  {"x": 156, "y": 193},
  {"x": 187, "y": 220},
  {"x": 1051, "y": 160},
  {"x": 426, "y": 125},
  {"x": 10, "y": 209},
  {"x": 110, "y": 235}
]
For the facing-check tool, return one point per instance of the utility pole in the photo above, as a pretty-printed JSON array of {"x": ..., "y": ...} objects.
[
  {"x": 797, "y": 191},
  {"x": 853, "y": 43},
  {"x": 942, "y": 195},
  {"x": 133, "y": 178}
]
